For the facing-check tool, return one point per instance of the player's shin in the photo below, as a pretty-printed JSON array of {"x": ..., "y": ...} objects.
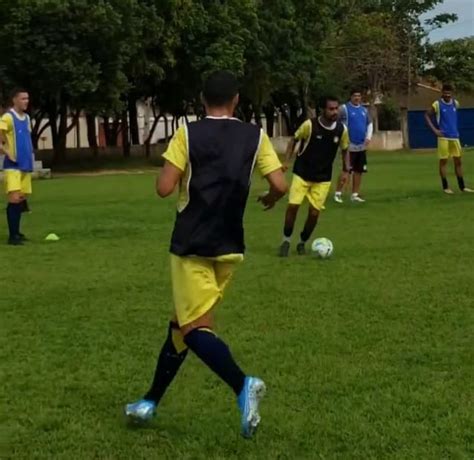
[
  {"x": 211, "y": 350},
  {"x": 171, "y": 357}
]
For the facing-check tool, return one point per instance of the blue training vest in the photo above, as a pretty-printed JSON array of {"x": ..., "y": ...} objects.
[
  {"x": 24, "y": 147},
  {"x": 357, "y": 121},
  {"x": 447, "y": 119}
]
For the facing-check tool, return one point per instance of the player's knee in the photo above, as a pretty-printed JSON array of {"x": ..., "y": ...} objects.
[{"x": 313, "y": 212}]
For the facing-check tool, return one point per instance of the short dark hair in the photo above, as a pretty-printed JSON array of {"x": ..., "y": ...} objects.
[
  {"x": 16, "y": 91},
  {"x": 355, "y": 90},
  {"x": 220, "y": 88},
  {"x": 323, "y": 101},
  {"x": 447, "y": 87}
]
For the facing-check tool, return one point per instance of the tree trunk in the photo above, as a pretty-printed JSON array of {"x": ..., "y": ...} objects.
[
  {"x": 92, "y": 133},
  {"x": 133, "y": 114},
  {"x": 269, "y": 111},
  {"x": 125, "y": 135},
  {"x": 150, "y": 136},
  {"x": 258, "y": 116},
  {"x": 60, "y": 133}
]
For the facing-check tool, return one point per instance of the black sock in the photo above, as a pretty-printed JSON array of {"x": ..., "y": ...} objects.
[
  {"x": 309, "y": 227},
  {"x": 444, "y": 181},
  {"x": 13, "y": 218},
  {"x": 461, "y": 183},
  {"x": 216, "y": 354},
  {"x": 287, "y": 231},
  {"x": 171, "y": 357}
]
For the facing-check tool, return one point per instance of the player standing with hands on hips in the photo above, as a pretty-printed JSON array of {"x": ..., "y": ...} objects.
[
  {"x": 445, "y": 128},
  {"x": 212, "y": 161}
]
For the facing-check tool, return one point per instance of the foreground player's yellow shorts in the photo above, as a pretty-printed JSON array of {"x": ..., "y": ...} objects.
[
  {"x": 17, "y": 181},
  {"x": 448, "y": 148},
  {"x": 316, "y": 192},
  {"x": 199, "y": 284}
]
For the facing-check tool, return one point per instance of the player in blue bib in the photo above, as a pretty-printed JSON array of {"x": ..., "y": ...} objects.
[
  {"x": 15, "y": 136},
  {"x": 357, "y": 119},
  {"x": 442, "y": 118}
]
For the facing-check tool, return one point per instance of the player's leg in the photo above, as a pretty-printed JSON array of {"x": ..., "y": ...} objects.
[
  {"x": 443, "y": 156},
  {"x": 26, "y": 190},
  {"x": 456, "y": 153},
  {"x": 317, "y": 195},
  {"x": 359, "y": 165},
  {"x": 344, "y": 178},
  {"x": 308, "y": 229},
  {"x": 200, "y": 337},
  {"x": 14, "y": 207},
  {"x": 298, "y": 191}
]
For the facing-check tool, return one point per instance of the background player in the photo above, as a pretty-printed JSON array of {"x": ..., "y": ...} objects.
[
  {"x": 212, "y": 160},
  {"x": 357, "y": 119},
  {"x": 15, "y": 134},
  {"x": 445, "y": 112},
  {"x": 312, "y": 171}
]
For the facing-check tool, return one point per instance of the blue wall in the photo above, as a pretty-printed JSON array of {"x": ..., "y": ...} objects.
[{"x": 421, "y": 137}]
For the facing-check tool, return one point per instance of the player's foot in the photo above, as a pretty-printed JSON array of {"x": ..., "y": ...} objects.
[
  {"x": 284, "y": 249},
  {"x": 300, "y": 249},
  {"x": 15, "y": 241},
  {"x": 248, "y": 401},
  {"x": 22, "y": 237},
  {"x": 355, "y": 198},
  {"x": 448, "y": 191},
  {"x": 140, "y": 411},
  {"x": 338, "y": 198},
  {"x": 467, "y": 190}
]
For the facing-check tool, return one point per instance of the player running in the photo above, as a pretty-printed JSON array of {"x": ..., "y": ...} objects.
[
  {"x": 312, "y": 170},
  {"x": 212, "y": 161},
  {"x": 357, "y": 119},
  {"x": 445, "y": 112}
]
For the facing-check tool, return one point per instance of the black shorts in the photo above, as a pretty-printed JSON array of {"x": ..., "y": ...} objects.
[{"x": 358, "y": 162}]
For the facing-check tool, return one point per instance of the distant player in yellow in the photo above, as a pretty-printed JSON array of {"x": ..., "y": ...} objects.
[
  {"x": 15, "y": 136},
  {"x": 312, "y": 172},
  {"x": 212, "y": 160},
  {"x": 444, "y": 112}
]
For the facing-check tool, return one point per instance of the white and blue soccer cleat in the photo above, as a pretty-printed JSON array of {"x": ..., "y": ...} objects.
[
  {"x": 140, "y": 411},
  {"x": 248, "y": 401}
]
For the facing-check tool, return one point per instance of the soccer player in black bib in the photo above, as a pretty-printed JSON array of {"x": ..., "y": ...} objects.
[
  {"x": 212, "y": 161},
  {"x": 312, "y": 172}
]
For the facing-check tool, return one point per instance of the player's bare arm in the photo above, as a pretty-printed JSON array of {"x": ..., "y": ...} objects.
[
  {"x": 168, "y": 179},
  {"x": 428, "y": 117},
  {"x": 290, "y": 151}
]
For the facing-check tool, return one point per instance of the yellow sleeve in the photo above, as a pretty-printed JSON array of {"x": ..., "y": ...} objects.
[
  {"x": 435, "y": 107},
  {"x": 267, "y": 158},
  {"x": 177, "y": 151},
  {"x": 345, "y": 139},
  {"x": 6, "y": 123},
  {"x": 304, "y": 131}
]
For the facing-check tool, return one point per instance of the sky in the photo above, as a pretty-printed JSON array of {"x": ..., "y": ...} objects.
[{"x": 463, "y": 27}]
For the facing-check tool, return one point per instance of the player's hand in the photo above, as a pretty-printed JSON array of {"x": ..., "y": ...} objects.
[
  {"x": 367, "y": 143},
  {"x": 267, "y": 201},
  {"x": 438, "y": 133}
]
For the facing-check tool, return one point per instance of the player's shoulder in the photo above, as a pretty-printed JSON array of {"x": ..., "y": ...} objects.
[{"x": 7, "y": 116}]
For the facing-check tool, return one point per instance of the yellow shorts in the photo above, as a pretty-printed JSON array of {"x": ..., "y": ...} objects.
[
  {"x": 448, "y": 148},
  {"x": 17, "y": 181},
  {"x": 199, "y": 284},
  {"x": 316, "y": 192}
]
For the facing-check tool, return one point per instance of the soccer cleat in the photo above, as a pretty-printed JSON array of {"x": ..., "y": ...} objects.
[
  {"x": 248, "y": 401},
  {"x": 448, "y": 191},
  {"x": 284, "y": 249},
  {"x": 300, "y": 249},
  {"x": 338, "y": 198},
  {"x": 140, "y": 411},
  {"x": 22, "y": 237},
  {"x": 357, "y": 199},
  {"x": 15, "y": 241},
  {"x": 467, "y": 190}
]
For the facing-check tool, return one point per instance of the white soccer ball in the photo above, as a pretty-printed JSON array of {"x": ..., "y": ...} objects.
[{"x": 322, "y": 248}]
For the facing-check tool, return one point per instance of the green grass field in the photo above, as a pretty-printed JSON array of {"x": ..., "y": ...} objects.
[{"x": 368, "y": 355}]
